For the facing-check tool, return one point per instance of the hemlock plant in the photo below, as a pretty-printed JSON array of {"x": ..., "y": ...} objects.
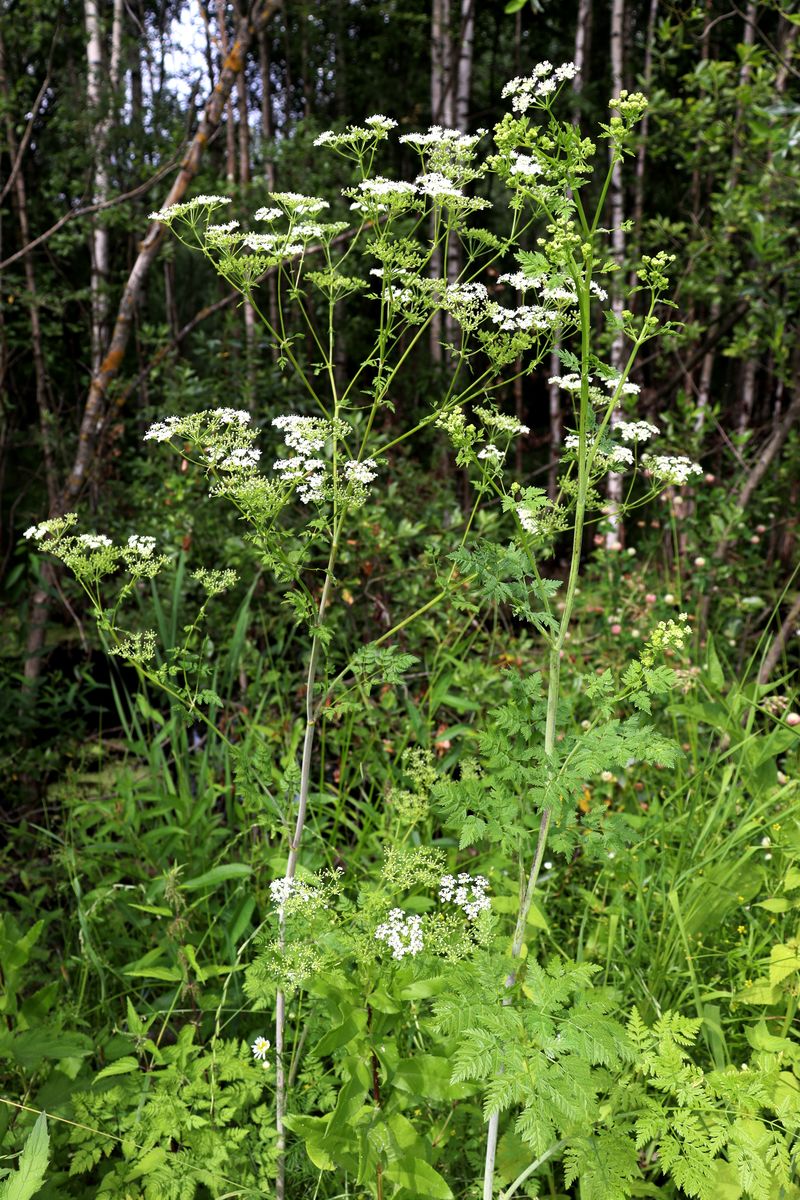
[{"x": 538, "y": 1042}]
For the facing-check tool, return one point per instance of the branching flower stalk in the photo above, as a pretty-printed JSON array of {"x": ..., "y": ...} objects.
[{"x": 333, "y": 455}]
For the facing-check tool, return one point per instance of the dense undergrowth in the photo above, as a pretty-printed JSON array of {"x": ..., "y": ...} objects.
[{"x": 540, "y": 937}]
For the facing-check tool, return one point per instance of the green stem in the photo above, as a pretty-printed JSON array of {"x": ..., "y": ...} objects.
[{"x": 294, "y": 851}]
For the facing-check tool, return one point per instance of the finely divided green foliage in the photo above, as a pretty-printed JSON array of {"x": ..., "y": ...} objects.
[{"x": 402, "y": 1004}]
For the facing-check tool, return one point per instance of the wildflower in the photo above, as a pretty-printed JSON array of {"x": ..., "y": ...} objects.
[
  {"x": 402, "y": 932},
  {"x": 793, "y": 719},
  {"x": 636, "y": 431},
  {"x": 178, "y": 210},
  {"x": 569, "y": 383},
  {"x": 295, "y": 202},
  {"x": 361, "y": 472},
  {"x": 501, "y": 422},
  {"x": 232, "y": 416},
  {"x": 699, "y": 561},
  {"x": 142, "y": 545},
  {"x": 260, "y": 1047},
  {"x": 94, "y": 541},
  {"x": 435, "y": 185},
  {"x": 281, "y": 890},
  {"x": 621, "y": 456},
  {"x": 526, "y": 165},
  {"x": 268, "y": 214},
  {"x": 669, "y": 469},
  {"x": 491, "y": 452},
  {"x": 527, "y": 521},
  {"x": 162, "y": 431},
  {"x": 467, "y": 892},
  {"x": 242, "y": 458}
]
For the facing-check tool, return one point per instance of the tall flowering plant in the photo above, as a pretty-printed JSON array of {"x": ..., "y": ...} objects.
[{"x": 532, "y": 280}]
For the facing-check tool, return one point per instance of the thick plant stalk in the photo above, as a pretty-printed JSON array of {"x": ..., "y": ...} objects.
[
  {"x": 294, "y": 854},
  {"x": 553, "y": 693}
]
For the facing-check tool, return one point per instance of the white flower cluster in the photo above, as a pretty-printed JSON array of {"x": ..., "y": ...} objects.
[
  {"x": 568, "y": 383},
  {"x": 162, "y": 431},
  {"x": 376, "y": 126},
  {"x": 302, "y": 434},
  {"x": 436, "y": 185},
  {"x": 268, "y": 214},
  {"x": 501, "y": 422},
  {"x": 467, "y": 892},
  {"x": 532, "y": 91},
  {"x": 636, "y": 431},
  {"x": 492, "y": 453},
  {"x": 439, "y": 135},
  {"x": 232, "y": 416},
  {"x": 361, "y": 472},
  {"x": 296, "y": 203},
  {"x": 226, "y": 227},
  {"x": 279, "y": 244},
  {"x": 141, "y": 544},
  {"x": 241, "y": 458},
  {"x": 281, "y": 890},
  {"x": 466, "y": 293},
  {"x": 527, "y": 521},
  {"x": 525, "y": 164},
  {"x": 51, "y": 528},
  {"x": 402, "y": 932},
  {"x": 628, "y": 388},
  {"x": 187, "y": 206},
  {"x": 671, "y": 469},
  {"x": 93, "y": 541},
  {"x": 526, "y": 317},
  {"x": 306, "y": 436},
  {"x": 618, "y": 456}
]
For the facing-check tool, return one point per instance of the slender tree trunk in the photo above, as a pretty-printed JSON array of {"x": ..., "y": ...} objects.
[
  {"x": 96, "y": 401},
  {"x": 100, "y": 98},
  {"x": 583, "y": 40},
  {"x": 641, "y": 157},
  {"x": 615, "y": 532},
  {"x": 230, "y": 132},
  {"x": 46, "y": 426}
]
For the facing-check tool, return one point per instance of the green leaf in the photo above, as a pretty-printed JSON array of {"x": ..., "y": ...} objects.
[
  {"x": 713, "y": 666},
  {"x": 351, "y": 1027},
  {"x": 29, "y": 1175},
  {"x": 29, "y": 1048},
  {"x": 166, "y": 974},
  {"x": 419, "y": 1178},
  {"x": 784, "y": 960},
  {"x": 217, "y": 875},
  {"x": 123, "y": 1066},
  {"x": 777, "y": 904},
  {"x": 425, "y": 1075}
]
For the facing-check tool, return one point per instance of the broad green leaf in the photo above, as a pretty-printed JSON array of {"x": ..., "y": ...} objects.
[
  {"x": 419, "y": 1178},
  {"x": 425, "y": 1075},
  {"x": 26, "y": 1180},
  {"x": 351, "y": 1027},
  {"x": 217, "y": 875},
  {"x": 760, "y": 992},
  {"x": 784, "y": 960},
  {"x": 777, "y": 904},
  {"x": 31, "y": 1047}
]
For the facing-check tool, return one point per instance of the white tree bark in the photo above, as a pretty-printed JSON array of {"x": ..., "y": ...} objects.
[
  {"x": 100, "y": 100},
  {"x": 617, "y": 197}
]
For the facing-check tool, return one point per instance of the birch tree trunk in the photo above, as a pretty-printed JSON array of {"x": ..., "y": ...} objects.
[
  {"x": 615, "y": 532},
  {"x": 100, "y": 100}
]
